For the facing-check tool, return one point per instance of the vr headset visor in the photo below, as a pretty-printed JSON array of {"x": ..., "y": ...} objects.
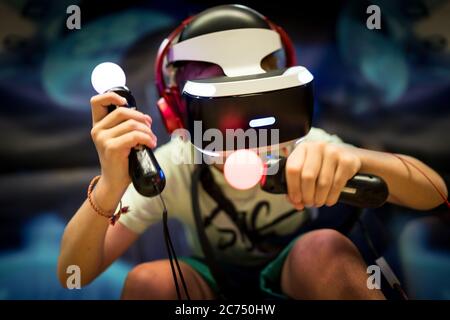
[{"x": 276, "y": 105}]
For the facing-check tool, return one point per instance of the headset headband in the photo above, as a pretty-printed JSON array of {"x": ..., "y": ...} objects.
[
  {"x": 171, "y": 103},
  {"x": 166, "y": 45}
]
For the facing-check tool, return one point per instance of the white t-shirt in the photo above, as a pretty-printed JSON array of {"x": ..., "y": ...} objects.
[{"x": 268, "y": 217}]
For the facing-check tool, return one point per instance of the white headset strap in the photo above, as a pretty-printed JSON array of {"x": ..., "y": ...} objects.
[{"x": 238, "y": 52}]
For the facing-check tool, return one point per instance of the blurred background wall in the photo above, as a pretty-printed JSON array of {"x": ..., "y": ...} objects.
[{"x": 385, "y": 89}]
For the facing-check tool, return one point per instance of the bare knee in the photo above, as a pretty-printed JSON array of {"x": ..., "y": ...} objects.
[
  {"x": 154, "y": 281},
  {"x": 317, "y": 260},
  {"x": 149, "y": 281},
  {"x": 322, "y": 246}
]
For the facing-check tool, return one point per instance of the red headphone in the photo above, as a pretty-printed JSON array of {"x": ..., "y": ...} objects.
[{"x": 170, "y": 103}]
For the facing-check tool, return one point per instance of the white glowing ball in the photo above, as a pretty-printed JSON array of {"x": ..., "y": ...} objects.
[
  {"x": 243, "y": 169},
  {"x": 107, "y": 75}
]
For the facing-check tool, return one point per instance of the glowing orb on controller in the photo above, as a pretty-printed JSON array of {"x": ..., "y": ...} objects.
[
  {"x": 107, "y": 75},
  {"x": 243, "y": 169}
]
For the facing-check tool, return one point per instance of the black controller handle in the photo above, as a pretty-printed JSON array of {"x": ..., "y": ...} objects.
[
  {"x": 363, "y": 190},
  {"x": 145, "y": 172}
]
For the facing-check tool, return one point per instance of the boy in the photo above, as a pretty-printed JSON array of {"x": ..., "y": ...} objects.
[{"x": 321, "y": 264}]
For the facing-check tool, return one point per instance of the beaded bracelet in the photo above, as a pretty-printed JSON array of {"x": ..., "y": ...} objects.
[{"x": 111, "y": 215}]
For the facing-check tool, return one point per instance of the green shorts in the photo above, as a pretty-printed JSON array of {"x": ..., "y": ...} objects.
[{"x": 265, "y": 281}]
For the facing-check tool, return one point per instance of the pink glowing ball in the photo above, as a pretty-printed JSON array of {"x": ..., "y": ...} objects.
[{"x": 243, "y": 169}]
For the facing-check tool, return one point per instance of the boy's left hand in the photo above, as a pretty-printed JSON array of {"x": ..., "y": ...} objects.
[{"x": 316, "y": 173}]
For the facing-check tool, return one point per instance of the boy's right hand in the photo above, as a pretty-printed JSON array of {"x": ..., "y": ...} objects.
[{"x": 114, "y": 135}]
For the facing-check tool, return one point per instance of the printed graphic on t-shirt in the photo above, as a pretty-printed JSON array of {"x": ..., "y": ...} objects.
[{"x": 254, "y": 231}]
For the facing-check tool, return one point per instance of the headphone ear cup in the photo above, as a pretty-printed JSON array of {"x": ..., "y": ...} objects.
[{"x": 170, "y": 117}]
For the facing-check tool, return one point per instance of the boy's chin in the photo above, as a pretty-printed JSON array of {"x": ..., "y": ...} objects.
[{"x": 219, "y": 166}]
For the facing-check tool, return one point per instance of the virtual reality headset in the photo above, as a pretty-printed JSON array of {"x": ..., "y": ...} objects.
[
  {"x": 247, "y": 98},
  {"x": 280, "y": 100}
]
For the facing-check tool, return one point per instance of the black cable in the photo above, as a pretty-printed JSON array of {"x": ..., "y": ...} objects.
[
  {"x": 169, "y": 253},
  {"x": 175, "y": 258},
  {"x": 395, "y": 286},
  {"x": 367, "y": 237},
  {"x": 400, "y": 290},
  {"x": 172, "y": 255}
]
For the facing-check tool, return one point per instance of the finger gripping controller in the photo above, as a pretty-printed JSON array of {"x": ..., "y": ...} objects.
[
  {"x": 146, "y": 174},
  {"x": 363, "y": 190}
]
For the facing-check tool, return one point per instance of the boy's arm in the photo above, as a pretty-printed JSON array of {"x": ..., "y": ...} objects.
[
  {"x": 317, "y": 171},
  {"x": 407, "y": 185},
  {"x": 90, "y": 242}
]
